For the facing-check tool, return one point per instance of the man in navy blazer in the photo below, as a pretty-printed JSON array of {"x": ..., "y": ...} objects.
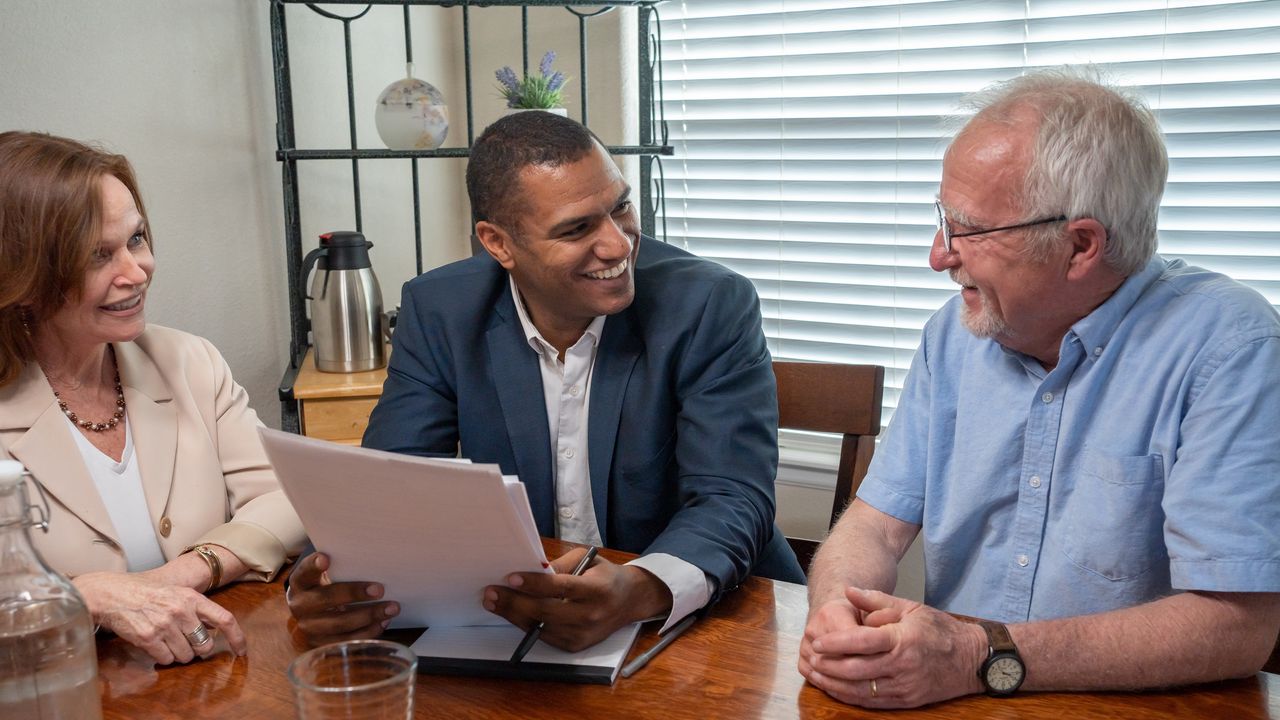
[{"x": 678, "y": 434}]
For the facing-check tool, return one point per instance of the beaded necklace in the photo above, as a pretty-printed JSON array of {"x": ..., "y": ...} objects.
[{"x": 89, "y": 424}]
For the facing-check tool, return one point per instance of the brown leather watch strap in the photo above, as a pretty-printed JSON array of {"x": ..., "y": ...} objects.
[{"x": 998, "y": 636}]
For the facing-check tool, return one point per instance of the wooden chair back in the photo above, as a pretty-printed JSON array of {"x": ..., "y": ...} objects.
[{"x": 832, "y": 398}]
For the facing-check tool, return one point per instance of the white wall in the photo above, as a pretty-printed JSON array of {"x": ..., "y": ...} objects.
[{"x": 184, "y": 89}]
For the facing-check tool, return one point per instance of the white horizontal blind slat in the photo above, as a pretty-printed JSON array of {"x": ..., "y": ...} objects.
[{"x": 809, "y": 137}]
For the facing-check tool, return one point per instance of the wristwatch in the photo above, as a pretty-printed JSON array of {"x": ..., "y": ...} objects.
[{"x": 1003, "y": 671}]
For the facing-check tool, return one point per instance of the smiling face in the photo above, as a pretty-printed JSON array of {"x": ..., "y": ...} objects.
[
  {"x": 573, "y": 252},
  {"x": 113, "y": 294},
  {"x": 1008, "y": 295}
]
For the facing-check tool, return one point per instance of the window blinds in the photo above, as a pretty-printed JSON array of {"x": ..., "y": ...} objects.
[{"x": 809, "y": 140}]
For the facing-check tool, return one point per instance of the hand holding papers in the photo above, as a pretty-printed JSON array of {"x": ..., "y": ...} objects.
[
  {"x": 436, "y": 534},
  {"x": 531, "y": 637},
  {"x": 433, "y": 532},
  {"x": 580, "y": 611}
]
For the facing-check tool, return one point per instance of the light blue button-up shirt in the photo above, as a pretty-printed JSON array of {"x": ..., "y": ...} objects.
[{"x": 1146, "y": 462}]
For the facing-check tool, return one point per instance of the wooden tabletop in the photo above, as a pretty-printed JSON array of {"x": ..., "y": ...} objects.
[{"x": 739, "y": 662}]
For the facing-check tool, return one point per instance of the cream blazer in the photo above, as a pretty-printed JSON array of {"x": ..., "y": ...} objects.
[{"x": 204, "y": 473}]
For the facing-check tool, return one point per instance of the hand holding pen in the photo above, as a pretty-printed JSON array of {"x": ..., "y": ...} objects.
[
  {"x": 531, "y": 637},
  {"x": 578, "y": 612}
]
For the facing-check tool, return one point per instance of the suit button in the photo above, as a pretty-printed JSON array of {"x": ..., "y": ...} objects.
[{"x": 165, "y": 527}]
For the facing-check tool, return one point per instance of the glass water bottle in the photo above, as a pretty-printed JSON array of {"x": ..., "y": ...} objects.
[{"x": 48, "y": 659}]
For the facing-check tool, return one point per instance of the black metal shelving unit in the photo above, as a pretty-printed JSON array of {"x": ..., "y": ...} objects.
[{"x": 652, "y": 126}]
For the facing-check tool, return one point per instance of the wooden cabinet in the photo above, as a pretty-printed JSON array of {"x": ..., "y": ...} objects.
[{"x": 336, "y": 406}]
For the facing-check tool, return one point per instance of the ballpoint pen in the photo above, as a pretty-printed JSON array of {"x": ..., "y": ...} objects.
[
  {"x": 531, "y": 637},
  {"x": 644, "y": 658}
]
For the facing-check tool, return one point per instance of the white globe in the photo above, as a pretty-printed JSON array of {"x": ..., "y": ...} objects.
[{"x": 411, "y": 115}]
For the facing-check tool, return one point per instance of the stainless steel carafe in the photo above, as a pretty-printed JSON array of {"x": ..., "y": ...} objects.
[{"x": 346, "y": 304}]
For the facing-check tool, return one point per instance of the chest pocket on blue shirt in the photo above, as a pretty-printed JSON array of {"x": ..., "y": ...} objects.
[{"x": 1114, "y": 523}]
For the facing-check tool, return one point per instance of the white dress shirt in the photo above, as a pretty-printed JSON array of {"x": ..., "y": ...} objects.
[
  {"x": 120, "y": 486},
  {"x": 566, "y": 388}
]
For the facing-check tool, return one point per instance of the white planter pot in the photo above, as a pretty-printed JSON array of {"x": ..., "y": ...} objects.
[{"x": 562, "y": 112}]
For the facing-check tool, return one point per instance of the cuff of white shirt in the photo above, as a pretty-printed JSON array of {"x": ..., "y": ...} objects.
[{"x": 691, "y": 589}]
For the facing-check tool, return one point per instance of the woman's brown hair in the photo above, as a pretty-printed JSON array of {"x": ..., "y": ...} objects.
[{"x": 50, "y": 224}]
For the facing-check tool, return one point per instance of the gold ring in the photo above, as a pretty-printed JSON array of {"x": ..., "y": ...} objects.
[{"x": 874, "y": 691}]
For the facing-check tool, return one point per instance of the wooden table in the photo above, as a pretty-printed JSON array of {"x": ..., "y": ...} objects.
[{"x": 739, "y": 662}]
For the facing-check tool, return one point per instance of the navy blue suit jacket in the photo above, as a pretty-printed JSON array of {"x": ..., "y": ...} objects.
[{"x": 682, "y": 430}]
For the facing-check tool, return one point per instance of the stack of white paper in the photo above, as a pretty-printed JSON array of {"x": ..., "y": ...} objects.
[{"x": 434, "y": 532}]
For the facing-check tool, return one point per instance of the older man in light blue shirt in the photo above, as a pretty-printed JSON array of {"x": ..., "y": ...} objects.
[
  {"x": 1086, "y": 437},
  {"x": 1143, "y": 463}
]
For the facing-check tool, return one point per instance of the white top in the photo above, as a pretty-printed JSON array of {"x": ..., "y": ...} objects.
[
  {"x": 120, "y": 486},
  {"x": 566, "y": 388}
]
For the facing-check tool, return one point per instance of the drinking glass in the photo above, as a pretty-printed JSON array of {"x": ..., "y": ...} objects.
[{"x": 354, "y": 680}]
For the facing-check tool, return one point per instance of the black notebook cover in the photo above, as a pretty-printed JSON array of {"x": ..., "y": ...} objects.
[
  {"x": 524, "y": 670},
  {"x": 486, "y": 652}
]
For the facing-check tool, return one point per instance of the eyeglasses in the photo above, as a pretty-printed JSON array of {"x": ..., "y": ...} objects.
[{"x": 947, "y": 235}]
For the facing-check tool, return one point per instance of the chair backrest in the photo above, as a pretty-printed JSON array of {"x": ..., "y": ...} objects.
[{"x": 833, "y": 398}]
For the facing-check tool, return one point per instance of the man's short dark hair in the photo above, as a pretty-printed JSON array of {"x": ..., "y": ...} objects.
[{"x": 507, "y": 147}]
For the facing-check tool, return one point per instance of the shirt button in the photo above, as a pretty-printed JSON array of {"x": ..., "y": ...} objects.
[
  {"x": 568, "y": 453},
  {"x": 165, "y": 527},
  {"x": 566, "y": 512},
  {"x": 573, "y": 391},
  {"x": 1097, "y": 351},
  {"x": 1035, "y": 481},
  {"x": 1023, "y": 561},
  {"x": 1047, "y": 398}
]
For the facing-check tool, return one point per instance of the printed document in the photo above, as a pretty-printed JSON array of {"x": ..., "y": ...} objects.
[{"x": 434, "y": 532}]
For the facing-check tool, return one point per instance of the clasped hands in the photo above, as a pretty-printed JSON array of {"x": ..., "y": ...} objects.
[
  {"x": 879, "y": 651},
  {"x": 576, "y": 611}
]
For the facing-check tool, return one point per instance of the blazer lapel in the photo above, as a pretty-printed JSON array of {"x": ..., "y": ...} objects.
[
  {"x": 616, "y": 357},
  {"x": 48, "y": 451},
  {"x": 153, "y": 421},
  {"x": 518, "y": 382}
]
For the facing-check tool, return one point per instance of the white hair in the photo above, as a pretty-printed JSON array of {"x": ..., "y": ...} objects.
[{"x": 1098, "y": 153}]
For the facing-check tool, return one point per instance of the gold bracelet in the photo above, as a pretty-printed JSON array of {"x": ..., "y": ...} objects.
[{"x": 215, "y": 564}]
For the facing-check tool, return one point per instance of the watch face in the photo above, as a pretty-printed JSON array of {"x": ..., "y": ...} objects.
[{"x": 1004, "y": 674}]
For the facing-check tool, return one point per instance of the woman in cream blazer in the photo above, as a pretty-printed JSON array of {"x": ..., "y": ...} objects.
[
  {"x": 117, "y": 419},
  {"x": 196, "y": 441}
]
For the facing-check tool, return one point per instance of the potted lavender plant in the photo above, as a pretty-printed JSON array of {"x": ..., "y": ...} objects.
[{"x": 534, "y": 92}]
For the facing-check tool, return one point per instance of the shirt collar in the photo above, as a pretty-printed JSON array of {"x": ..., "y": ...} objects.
[
  {"x": 536, "y": 341},
  {"x": 1095, "y": 329}
]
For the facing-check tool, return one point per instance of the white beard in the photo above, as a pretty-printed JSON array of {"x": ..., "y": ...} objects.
[{"x": 984, "y": 322}]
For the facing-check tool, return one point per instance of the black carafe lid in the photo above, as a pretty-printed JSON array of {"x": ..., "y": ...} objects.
[{"x": 347, "y": 250}]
